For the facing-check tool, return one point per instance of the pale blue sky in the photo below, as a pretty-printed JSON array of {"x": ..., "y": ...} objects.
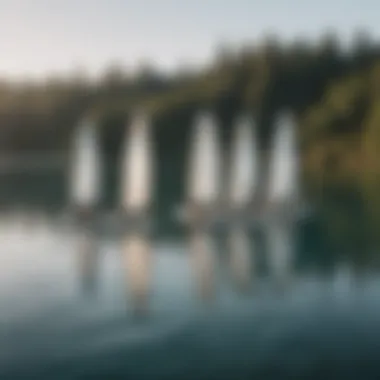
[{"x": 40, "y": 36}]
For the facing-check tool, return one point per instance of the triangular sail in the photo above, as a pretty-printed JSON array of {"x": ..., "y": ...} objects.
[
  {"x": 86, "y": 170},
  {"x": 283, "y": 176},
  {"x": 205, "y": 161},
  {"x": 244, "y": 164},
  {"x": 137, "y": 167}
]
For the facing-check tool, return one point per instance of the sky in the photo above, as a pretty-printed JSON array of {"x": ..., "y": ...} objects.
[{"x": 39, "y": 37}]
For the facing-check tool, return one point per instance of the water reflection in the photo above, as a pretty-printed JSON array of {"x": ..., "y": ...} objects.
[
  {"x": 88, "y": 260},
  {"x": 280, "y": 252},
  {"x": 37, "y": 243},
  {"x": 47, "y": 328},
  {"x": 137, "y": 257},
  {"x": 344, "y": 280},
  {"x": 203, "y": 261},
  {"x": 240, "y": 258}
]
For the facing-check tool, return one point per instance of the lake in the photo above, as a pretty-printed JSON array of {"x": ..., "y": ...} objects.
[{"x": 199, "y": 323}]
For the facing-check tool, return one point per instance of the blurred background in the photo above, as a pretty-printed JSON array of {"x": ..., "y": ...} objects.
[{"x": 62, "y": 62}]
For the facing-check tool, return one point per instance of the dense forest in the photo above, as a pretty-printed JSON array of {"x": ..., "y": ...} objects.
[{"x": 334, "y": 93}]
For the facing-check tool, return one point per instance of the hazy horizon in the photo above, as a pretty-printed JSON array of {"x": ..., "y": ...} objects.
[{"x": 40, "y": 38}]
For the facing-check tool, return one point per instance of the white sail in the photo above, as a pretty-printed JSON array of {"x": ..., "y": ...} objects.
[
  {"x": 283, "y": 176},
  {"x": 244, "y": 164},
  {"x": 86, "y": 170},
  {"x": 205, "y": 162},
  {"x": 137, "y": 167}
]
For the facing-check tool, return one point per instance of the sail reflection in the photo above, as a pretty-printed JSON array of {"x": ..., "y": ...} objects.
[
  {"x": 138, "y": 269},
  {"x": 88, "y": 260},
  {"x": 343, "y": 281},
  {"x": 203, "y": 259},
  {"x": 241, "y": 259},
  {"x": 280, "y": 245}
]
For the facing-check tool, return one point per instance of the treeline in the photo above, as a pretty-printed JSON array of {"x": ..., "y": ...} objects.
[
  {"x": 39, "y": 115},
  {"x": 340, "y": 140}
]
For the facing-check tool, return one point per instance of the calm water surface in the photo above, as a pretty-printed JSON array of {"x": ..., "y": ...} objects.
[{"x": 51, "y": 328}]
